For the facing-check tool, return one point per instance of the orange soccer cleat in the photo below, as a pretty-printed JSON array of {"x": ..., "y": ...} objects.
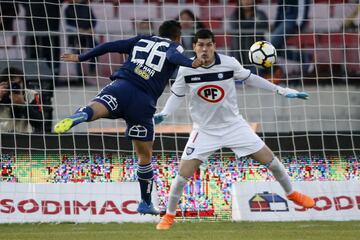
[
  {"x": 301, "y": 199},
  {"x": 166, "y": 222}
]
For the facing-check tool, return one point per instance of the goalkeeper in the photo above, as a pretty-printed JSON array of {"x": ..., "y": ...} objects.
[
  {"x": 216, "y": 119},
  {"x": 134, "y": 92}
]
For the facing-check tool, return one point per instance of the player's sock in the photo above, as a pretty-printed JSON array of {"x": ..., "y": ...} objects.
[
  {"x": 145, "y": 175},
  {"x": 279, "y": 172},
  {"x": 83, "y": 114},
  {"x": 176, "y": 190}
]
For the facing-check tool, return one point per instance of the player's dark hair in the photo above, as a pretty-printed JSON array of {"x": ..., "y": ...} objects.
[
  {"x": 203, "y": 34},
  {"x": 170, "y": 29}
]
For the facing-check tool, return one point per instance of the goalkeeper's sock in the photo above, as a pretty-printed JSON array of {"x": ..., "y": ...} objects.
[
  {"x": 145, "y": 175},
  {"x": 176, "y": 190},
  {"x": 279, "y": 172}
]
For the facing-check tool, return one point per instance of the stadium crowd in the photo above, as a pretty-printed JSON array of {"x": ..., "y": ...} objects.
[{"x": 92, "y": 22}]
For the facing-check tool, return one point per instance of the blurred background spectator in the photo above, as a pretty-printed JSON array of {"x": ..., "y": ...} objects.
[
  {"x": 81, "y": 21},
  {"x": 43, "y": 40},
  {"x": 20, "y": 108},
  {"x": 144, "y": 26},
  {"x": 291, "y": 19},
  {"x": 349, "y": 25},
  {"x": 7, "y": 12},
  {"x": 247, "y": 25},
  {"x": 189, "y": 24}
]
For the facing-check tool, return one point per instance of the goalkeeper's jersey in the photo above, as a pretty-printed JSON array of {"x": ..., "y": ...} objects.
[{"x": 212, "y": 92}]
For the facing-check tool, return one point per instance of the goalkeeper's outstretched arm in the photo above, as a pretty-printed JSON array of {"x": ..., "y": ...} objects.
[
  {"x": 172, "y": 104},
  {"x": 259, "y": 82}
]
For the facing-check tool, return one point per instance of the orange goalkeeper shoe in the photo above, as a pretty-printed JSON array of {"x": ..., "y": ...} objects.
[
  {"x": 301, "y": 199},
  {"x": 166, "y": 222}
]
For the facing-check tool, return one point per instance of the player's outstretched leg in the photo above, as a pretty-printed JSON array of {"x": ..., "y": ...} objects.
[
  {"x": 301, "y": 199},
  {"x": 266, "y": 157},
  {"x": 82, "y": 115},
  {"x": 279, "y": 172}
]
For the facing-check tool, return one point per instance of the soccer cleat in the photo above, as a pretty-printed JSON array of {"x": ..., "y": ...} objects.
[
  {"x": 166, "y": 222},
  {"x": 301, "y": 199},
  {"x": 67, "y": 123},
  {"x": 143, "y": 209},
  {"x": 64, "y": 125}
]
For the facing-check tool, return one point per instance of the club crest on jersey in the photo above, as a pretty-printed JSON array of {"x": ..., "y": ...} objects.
[
  {"x": 189, "y": 150},
  {"x": 211, "y": 93},
  {"x": 137, "y": 131},
  {"x": 109, "y": 100}
]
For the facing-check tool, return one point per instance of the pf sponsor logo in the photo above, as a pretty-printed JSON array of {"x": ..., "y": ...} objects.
[{"x": 211, "y": 93}]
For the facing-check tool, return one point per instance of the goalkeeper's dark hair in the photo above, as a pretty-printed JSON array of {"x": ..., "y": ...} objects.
[
  {"x": 170, "y": 29},
  {"x": 203, "y": 34}
]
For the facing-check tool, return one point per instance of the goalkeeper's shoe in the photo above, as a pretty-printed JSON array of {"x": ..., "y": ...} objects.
[
  {"x": 301, "y": 199},
  {"x": 67, "y": 123},
  {"x": 166, "y": 222},
  {"x": 144, "y": 208}
]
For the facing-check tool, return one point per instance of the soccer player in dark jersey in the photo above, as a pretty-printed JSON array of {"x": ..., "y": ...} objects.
[{"x": 133, "y": 93}]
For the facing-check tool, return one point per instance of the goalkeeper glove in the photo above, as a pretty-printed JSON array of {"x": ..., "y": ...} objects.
[
  {"x": 159, "y": 118},
  {"x": 292, "y": 93}
]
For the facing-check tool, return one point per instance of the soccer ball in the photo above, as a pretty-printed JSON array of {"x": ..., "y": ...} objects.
[{"x": 262, "y": 54}]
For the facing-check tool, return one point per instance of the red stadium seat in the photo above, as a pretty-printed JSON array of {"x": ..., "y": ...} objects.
[
  {"x": 223, "y": 41},
  {"x": 305, "y": 40},
  {"x": 216, "y": 11},
  {"x": 213, "y": 24}
]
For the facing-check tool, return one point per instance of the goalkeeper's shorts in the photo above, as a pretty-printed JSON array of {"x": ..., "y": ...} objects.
[{"x": 239, "y": 137}]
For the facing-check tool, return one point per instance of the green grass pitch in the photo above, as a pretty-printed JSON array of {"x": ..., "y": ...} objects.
[{"x": 316, "y": 230}]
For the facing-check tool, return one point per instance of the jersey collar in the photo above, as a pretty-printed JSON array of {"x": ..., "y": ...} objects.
[
  {"x": 217, "y": 61},
  {"x": 163, "y": 38}
]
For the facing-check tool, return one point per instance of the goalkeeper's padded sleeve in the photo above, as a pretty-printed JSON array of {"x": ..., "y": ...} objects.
[
  {"x": 172, "y": 104},
  {"x": 260, "y": 82}
]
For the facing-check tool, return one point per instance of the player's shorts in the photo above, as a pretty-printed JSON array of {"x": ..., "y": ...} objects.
[
  {"x": 125, "y": 100},
  {"x": 239, "y": 137}
]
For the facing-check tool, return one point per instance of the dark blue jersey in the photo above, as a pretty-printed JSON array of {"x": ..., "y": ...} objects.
[{"x": 151, "y": 62}]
